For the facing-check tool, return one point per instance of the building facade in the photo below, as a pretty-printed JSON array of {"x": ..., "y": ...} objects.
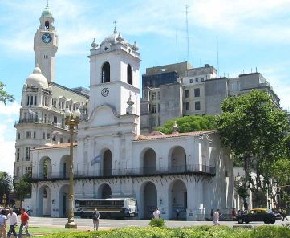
[
  {"x": 177, "y": 90},
  {"x": 43, "y": 103},
  {"x": 190, "y": 172}
]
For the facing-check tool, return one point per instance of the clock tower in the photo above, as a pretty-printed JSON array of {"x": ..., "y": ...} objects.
[
  {"x": 46, "y": 45},
  {"x": 114, "y": 78}
]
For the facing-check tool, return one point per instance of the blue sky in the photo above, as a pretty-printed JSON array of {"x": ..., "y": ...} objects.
[{"x": 247, "y": 34}]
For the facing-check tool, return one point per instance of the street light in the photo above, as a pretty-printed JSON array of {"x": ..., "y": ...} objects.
[{"x": 71, "y": 120}]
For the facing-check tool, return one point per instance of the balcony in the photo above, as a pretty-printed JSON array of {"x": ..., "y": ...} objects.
[{"x": 196, "y": 169}]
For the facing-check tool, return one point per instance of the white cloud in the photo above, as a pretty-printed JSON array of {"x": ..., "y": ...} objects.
[{"x": 8, "y": 115}]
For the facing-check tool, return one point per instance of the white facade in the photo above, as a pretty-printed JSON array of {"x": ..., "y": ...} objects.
[{"x": 188, "y": 171}]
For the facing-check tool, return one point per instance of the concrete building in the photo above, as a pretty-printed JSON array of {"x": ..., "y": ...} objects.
[
  {"x": 192, "y": 91},
  {"x": 190, "y": 172}
]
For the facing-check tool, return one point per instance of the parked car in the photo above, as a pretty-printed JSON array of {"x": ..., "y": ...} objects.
[{"x": 258, "y": 214}]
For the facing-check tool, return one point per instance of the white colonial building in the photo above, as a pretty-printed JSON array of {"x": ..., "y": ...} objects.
[{"x": 190, "y": 172}]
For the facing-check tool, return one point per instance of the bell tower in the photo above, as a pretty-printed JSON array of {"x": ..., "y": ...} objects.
[
  {"x": 46, "y": 45},
  {"x": 114, "y": 78}
]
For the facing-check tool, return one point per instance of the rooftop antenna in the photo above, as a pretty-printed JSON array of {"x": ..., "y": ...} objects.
[
  {"x": 46, "y": 3},
  {"x": 217, "y": 56},
  {"x": 115, "y": 28},
  {"x": 187, "y": 32}
]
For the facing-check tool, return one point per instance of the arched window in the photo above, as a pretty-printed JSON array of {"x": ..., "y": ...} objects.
[
  {"x": 129, "y": 74},
  {"x": 47, "y": 25},
  {"x": 106, "y": 72}
]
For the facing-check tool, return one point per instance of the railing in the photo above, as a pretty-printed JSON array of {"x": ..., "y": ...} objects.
[
  {"x": 37, "y": 120},
  {"x": 196, "y": 169}
]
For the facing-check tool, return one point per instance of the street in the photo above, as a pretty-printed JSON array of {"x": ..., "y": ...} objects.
[{"x": 87, "y": 224}]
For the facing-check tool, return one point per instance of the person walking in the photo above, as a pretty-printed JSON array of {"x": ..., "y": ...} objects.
[
  {"x": 3, "y": 219},
  {"x": 156, "y": 213},
  {"x": 215, "y": 217},
  {"x": 12, "y": 217},
  {"x": 96, "y": 219},
  {"x": 24, "y": 223}
]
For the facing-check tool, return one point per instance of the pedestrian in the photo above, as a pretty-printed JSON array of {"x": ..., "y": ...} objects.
[
  {"x": 3, "y": 219},
  {"x": 211, "y": 214},
  {"x": 12, "y": 217},
  {"x": 156, "y": 213},
  {"x": 216, "y": 216},
  {"x": 24, "y": 223},
  {"x": 234, "y": 214},
  {"x": 96, "y": 219},
  {"x": 177, "y": 214}
]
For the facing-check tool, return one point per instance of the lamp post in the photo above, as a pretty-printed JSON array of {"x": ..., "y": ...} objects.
[{"x": 71, "y": 120}]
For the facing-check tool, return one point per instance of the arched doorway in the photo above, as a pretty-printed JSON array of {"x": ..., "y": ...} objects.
[
  {"x": 63, "y": 201},
  {"x": 105, "y": 191},
  {"x": 149, "y": 199},
  {"x": 45, "y": 167},
  {"x": 44, "y": 201},
  {"x": 149, "y": 162},
  {"x": 178, "y": 159},
  {"x": 178, "y": 200},
  {"x": 107, "y": 166},
  {"x": 64, "y": 166}
]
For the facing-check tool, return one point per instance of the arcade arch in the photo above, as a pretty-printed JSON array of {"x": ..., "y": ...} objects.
[
  {"x": 177, "y": 159},
  {"x": 178, "y": 200},
  {"x": 44, "y": 201}
]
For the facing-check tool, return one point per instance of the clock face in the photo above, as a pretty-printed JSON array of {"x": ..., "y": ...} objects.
[
  {"x": 46, "y": 38},
  {"x": 105, "y": 92}
]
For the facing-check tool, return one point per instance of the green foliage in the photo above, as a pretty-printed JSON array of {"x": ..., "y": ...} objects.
[
  {"x": 189, "y": 123},
  {"x": 5, "y": 186},
  {"x": 4, "y": 96},
  {"x": 189, "y": 232},
  {"x": 23, "y": 187},
  {"x": 157, "y": 222},
  {"x": 254, "y": 128}
]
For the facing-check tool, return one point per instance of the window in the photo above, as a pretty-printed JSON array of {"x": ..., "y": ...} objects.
[
  {"x": 129, "y": 74},
  {"x": 106, "y": 72},
  {"x": 186, "y": 93},
  {"x": 153, "y": 96},
  {"x": 196, "y": 80},
  {"x": 18, "y": 136},
  {"x": 202, "y": 79},
  {"x": 191, "y": 80},
  {"x": 48, "y": 136},
  {"x": 43, "y": 135},
  {"x": 28, "y": 135},
  {"x": 158, "y": 95},
  {"x": 17, "y": 154},
  {"x": 197, "y": 92},
  {"x": 197, "y": 106},
  {"x": 153, "y": 108},
  {"x": 27, "y": 153},
  {"x": 34, "y": 134},
  {"x": 187, "y": 106}
]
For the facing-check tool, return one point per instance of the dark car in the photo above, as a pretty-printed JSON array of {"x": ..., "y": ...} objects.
[{"x": 258, "y": 214}]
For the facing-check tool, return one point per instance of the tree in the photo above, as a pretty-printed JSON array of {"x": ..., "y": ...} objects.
[
  {"x": 190, "y": 123},
  {"x": 23, "y": 187},
  {"x": 254, "y": 128},
  {"x": 4, "y": 96},
  {"x": 5, "y": 187}
]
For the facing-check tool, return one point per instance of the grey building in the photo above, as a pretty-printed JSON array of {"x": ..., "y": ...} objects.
[{"x": 193, "y": 91}]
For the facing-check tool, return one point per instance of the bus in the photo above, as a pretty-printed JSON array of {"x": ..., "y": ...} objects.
[{"x": 109, "y": 208}]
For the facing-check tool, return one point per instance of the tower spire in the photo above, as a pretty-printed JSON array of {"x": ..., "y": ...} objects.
[{"x": 47, "y": 3}]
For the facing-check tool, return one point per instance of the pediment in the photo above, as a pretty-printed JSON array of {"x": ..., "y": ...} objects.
[{"x": 104, "y": 115}]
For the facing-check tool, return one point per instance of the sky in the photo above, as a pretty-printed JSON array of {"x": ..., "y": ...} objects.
[{"x": 239, "y": 36}]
